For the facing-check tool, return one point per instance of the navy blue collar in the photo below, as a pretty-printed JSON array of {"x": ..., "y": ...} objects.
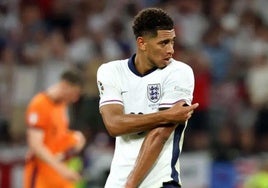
[{"x": 132, "y": 67}]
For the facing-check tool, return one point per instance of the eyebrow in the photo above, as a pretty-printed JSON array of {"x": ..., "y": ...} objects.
[{"x": 167, "y": 40}]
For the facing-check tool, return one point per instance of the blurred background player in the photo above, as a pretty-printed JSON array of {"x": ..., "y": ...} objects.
[{"x": 49, "y": 138}]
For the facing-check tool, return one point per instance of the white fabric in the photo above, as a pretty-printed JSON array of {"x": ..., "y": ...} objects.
[{"x": 119, "y": 84}]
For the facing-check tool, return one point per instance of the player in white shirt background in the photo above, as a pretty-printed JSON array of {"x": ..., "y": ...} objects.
[{"x": 145, "y": 102}]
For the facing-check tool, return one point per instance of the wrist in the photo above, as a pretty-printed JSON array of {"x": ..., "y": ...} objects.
[
  {"x": 129, "y": 185},
  {"x": 59, "y": 166},
  {"x": 131, "y": 182},
  {"x": 163, "y": 118}
]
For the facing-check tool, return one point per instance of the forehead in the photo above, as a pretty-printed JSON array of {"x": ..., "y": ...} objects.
[{"x": 164, "y": 34}]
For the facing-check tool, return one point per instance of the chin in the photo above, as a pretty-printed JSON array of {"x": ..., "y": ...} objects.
[{"x": 162, "y": 67}]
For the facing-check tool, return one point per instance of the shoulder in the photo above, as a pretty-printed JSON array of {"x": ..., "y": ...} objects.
[
  {"x": 112, "y": 65},
  {"x": 39, "y": 101},
  {"x": 39, "y": 111},
  {"x": 179, "y": 71},
  {"x": 179, "y": 67}
]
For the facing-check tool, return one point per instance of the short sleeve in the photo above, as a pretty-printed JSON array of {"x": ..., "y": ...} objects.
[
  {"x": 37, "y": 115},
  {"x": 108, "y": 85},
  {"x": 178, "y": 86}
]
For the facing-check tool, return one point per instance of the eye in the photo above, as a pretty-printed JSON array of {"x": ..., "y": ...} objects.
[{"x": 164, "y": 43}]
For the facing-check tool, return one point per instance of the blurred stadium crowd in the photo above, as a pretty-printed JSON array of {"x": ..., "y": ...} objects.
[{"x": 224, "y": 41}]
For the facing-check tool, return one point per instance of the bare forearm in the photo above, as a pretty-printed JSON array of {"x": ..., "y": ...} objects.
[
  {"x": 150, "y": 150},
  {"x": 35, "y": 139},
  {"x": 44, "y": 154},
  {"x": 119, "y": 123},
  {"x": 132, "y": 123}
]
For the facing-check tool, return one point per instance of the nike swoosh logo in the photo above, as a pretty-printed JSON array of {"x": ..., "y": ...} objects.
[{"x": 122, "y": 92}]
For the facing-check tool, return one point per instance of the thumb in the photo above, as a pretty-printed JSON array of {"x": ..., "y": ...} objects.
[{"x": 193, "y": 106}]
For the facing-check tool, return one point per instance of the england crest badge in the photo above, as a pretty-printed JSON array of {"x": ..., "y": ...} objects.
[{"x": 153, "y": 92}]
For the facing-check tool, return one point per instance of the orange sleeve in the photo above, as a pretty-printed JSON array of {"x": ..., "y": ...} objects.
[{"x": 37, "y": 113}]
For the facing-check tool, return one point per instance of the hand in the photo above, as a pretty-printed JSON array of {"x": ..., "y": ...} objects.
[
  {"x": 180, "y": 113},
  {"x": 81, "y": 141},
  {"x": 68, "y": 173}
]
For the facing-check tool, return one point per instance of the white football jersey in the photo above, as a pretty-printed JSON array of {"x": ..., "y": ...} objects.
[{"x": 120, "y": 83}]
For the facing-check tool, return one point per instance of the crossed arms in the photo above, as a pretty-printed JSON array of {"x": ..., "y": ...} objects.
[{"x": 160, "y": 124}]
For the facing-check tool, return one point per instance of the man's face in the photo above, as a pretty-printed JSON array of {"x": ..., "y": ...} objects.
[
  {"x": 72, "y": 93},
  {"x": 160, "y": 49}
]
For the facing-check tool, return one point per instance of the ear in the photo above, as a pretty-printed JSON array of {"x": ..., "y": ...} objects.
[{"x": 141, "y": 43}]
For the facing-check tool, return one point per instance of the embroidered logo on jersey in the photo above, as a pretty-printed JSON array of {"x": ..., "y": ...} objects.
[
  {"x": 33, "y": 118},
  {"x": 153, "y": 92},
  {"x": 101, "y": 88}
]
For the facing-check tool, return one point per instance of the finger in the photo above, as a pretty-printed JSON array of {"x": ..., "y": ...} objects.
[{"x": 192, "y": 107}]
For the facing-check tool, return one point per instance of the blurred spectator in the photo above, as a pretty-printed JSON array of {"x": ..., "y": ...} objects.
[
  {"x": 217, "y": 10},
  {"x": 98, "y": 156},
  {"x": 59, "y": 15},
  {"x": 257, "y": 79},
  {"x": 8, "y": 18},
  {"x": 7, "y": 63},
  {"x": 32, "y": 33},
  {"x": 224, "y": 145},
  {"x": 81, "y": 47},
  {"x": 190, "y": 22},
  {"x": 117, "y": 34},
  {"x": 260, "y": 6},
  {"x": 218, "y": 52},
  {"x": 198, "y": 126},
  {"x": 249, "y": 23}
]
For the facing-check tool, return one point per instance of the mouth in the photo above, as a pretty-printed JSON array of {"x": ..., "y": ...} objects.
[{"x": 167, "y": 60}]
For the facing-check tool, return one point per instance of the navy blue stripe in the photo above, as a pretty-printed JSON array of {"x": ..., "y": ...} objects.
[
  {"x": 34, "y": 177},
  {"x": 132, "y": 67},
  {"x": 108, "y": 101},
  {"x": 176, "y": 152},
  {"x": 171, "y": 104}
]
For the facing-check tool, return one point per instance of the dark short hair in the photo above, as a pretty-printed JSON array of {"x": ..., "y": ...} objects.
[
  {"x": 149, "y": 20},
  {"x": 72, "y": 76}
]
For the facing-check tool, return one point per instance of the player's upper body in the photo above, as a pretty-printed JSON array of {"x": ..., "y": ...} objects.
[
  {"x": 48, "y": 134},
  {"x": 51, "y": 117},
  {"x": 133, "y": 93},
  {"x": 120, "y": 83}
]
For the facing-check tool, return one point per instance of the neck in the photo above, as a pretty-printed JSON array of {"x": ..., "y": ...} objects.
[
  {"x": 142, "y": 64},
  {"x": 54, "y": 93}
]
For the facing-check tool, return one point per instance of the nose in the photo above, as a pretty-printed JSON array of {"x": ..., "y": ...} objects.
[{"x": 170, "y": 48}]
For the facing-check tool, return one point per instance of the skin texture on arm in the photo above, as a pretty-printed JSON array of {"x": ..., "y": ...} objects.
[
  {"x": 117, "y": 123},
  {"x": 35, "y": 141},
  {"x": 149, "y": 152}
]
